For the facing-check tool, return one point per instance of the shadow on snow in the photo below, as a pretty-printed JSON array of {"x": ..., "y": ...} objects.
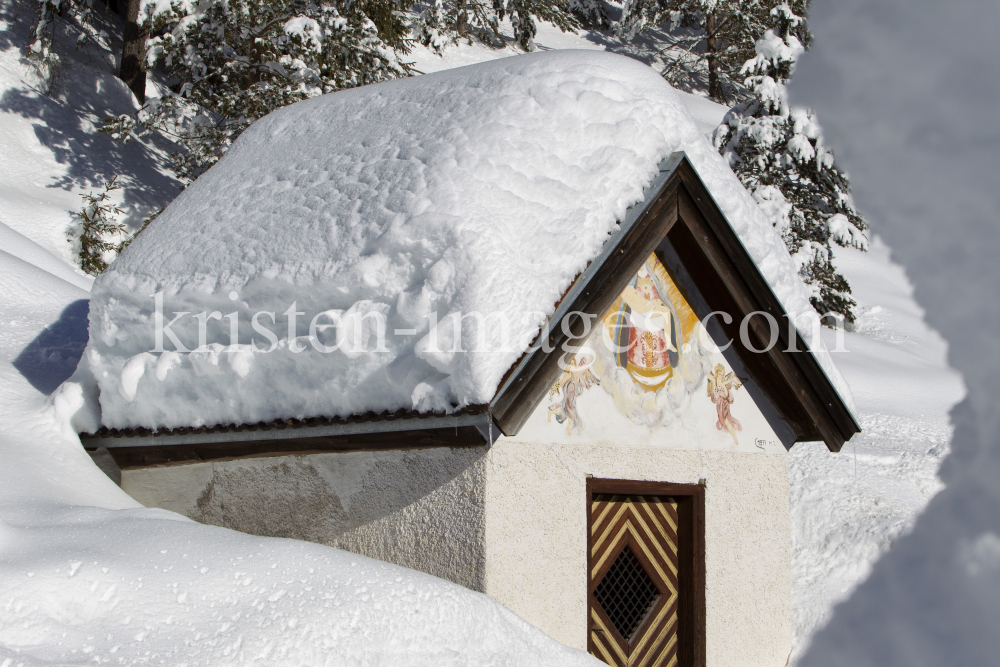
[{"x": 51, "y": 358}]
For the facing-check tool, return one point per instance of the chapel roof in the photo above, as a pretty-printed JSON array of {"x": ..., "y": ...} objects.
[{"x": 488, "y": 188}]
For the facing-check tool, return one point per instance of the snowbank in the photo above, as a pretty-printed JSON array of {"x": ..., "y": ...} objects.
[
  {"x": 87, "y": 575},
  {"x": 908, "y": 95},
  {"x": 849, "y": 508},
  {"x": 407, "y": 204},
  {"x": 176, "y": 592}
]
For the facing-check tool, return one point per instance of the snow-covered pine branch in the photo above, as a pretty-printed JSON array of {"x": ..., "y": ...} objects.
[
  {"x": 725, "y": 32},
  {"x": 779, "y": 155},
  {"x": 232, "y": 62},
  {"x": 101, "y": 237},
  {"x": 444, "y": 22}
]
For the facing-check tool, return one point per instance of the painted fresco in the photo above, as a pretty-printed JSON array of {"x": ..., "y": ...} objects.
[
  {"x": 721, "y": 386},
  {"x": 651, "y": 355}
]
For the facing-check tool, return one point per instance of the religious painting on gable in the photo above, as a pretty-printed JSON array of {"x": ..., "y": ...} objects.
[{"x": 648, "y": 352}]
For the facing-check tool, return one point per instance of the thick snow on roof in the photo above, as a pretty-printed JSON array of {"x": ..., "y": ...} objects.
[{"x": 484, "y": 189}]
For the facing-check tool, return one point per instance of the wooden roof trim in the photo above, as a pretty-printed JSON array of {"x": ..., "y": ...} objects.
[
  {"x": 580, "y": 283},
  {"x": 834, "y": 423},
  {"x": 401, "y": 430},
  {"x": 294, "y": 423},
  {"x": 422, "y": 436},
  {"x": 287, "y": 429}
]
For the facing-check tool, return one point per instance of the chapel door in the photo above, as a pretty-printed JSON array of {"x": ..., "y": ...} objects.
[{"x": 640, "y": 588}]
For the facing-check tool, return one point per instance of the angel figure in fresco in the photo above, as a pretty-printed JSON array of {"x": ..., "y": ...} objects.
[
  {"x": 652, "y": 340},
  {"x": 574, "y": 382},
  {"x": 721, "y": 386}
]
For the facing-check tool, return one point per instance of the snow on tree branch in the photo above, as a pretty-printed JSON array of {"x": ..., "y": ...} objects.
[
  {"x": 778, "y": 153},
  {"x": 235, "y": 61}
]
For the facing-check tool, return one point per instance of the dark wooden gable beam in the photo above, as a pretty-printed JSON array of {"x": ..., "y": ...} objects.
[
  {"x": 796, "y": 383},
  {"x": 679, "y": 208}
]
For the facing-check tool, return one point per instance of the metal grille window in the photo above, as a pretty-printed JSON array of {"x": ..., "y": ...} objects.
[{"x": 626, "y": 593}]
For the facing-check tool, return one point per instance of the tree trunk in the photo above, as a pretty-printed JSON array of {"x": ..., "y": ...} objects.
[
  {"x": 712, "y": 54},
  {"x": 133, "y": 50}
]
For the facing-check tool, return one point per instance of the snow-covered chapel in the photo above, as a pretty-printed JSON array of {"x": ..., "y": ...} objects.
[{"x": 516, "y": 325}]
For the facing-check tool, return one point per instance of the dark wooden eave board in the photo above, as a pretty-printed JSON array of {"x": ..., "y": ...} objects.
[
  {"x": 678, "y": 207},
  {"x": 144, "y": 455},
  {"x": 400, "y": 430}
]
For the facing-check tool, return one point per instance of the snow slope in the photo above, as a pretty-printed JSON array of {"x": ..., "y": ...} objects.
[
  {"x": 909, "y": 96},
  {"x": 87, "y": 576},
  {"x": 52, "y": 152}
]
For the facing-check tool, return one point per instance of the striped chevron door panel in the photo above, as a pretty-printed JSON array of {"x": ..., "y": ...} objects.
[{"x": 633, "y": 592}]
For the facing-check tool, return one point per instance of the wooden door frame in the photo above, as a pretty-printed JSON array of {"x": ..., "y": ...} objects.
[{"x": 690, "y": 557}]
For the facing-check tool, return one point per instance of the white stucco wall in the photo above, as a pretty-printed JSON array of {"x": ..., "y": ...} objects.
[
  {"x": 511, "y": 522},
  {"x": 536, "y": 532}
]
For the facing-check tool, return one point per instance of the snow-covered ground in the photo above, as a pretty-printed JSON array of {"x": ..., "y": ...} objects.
[
  {"x": 849, "y": 508},
  {"x": 88, "y": 576}
]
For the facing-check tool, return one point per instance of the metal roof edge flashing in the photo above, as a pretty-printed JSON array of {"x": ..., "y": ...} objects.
[{"x": 254, "y": 433}]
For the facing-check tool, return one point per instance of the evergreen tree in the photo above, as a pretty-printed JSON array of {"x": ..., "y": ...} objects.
[
  {"x": 101, "y": 236},
  {"x": 133, "y": 40},
  {"x": 446, "y": 21},
  {"x": 724, "y": 35},
  {"x": 234, "y": 61},
  {"x": 591, "y": 13},
  {"x": 779, "y": 155}
]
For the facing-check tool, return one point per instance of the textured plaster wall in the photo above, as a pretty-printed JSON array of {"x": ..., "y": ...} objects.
[
  {"x": 536, "y": 534},
  {"x": 511, "y": 522},
  {"x": 421, "y": 509}
]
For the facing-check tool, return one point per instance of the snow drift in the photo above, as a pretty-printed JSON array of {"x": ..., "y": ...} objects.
[
  {"x": 909, "y": 95},
  {"x": 87, "y": 576},
  {"x": 400, "y": 206}
]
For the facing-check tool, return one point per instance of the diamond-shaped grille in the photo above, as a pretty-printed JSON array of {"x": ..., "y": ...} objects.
[{"x": 626, "y": 593}]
